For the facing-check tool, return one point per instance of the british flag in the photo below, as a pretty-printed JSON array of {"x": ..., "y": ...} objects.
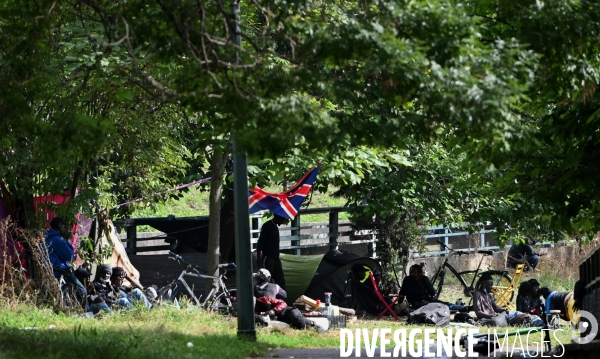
[{"x": 285, "y": 204}]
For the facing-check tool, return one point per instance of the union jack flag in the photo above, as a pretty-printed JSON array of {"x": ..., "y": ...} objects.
[{"x": 285, "y": 204}]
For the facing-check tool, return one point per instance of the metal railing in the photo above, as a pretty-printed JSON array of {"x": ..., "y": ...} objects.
[
  {"x": 323, "y": 233},
  {"x": 302, "y": 235}
]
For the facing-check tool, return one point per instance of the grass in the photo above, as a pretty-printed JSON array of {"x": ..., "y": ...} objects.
[
  {"x": 162, "y": 333},
  {"x": 27, "y": 332}
]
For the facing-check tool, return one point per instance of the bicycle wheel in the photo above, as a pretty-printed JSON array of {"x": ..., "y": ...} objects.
[
  {"x": 68, "y": 298},
  {"x": 438, "y": 281},
  {"x": 457, "y": 279},
  {"x": 225, "y": 303}
]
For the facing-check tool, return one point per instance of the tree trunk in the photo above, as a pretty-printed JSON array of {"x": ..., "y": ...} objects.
[
  {"x": 228, "y": 231},
  {"x": 228, "y": 227},
  {"x": 217, "y": 169}
]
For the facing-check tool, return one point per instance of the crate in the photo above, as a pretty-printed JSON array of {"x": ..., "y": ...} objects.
[{"x": 336, "y": 321}]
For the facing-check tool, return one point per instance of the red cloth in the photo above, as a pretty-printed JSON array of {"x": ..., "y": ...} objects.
[
  {"x": 278, "y": 304},
  {"x": 11, "y": 251},
  {"x": 49, "y": 216}
]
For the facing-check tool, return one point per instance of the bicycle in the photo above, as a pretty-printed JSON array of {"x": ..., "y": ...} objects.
[
  {"x": 501, "y": 277},
  {"x": 68, "y": 299},
  {"x": 220, "y": 299},
  {"x": 67, "y": 295}
]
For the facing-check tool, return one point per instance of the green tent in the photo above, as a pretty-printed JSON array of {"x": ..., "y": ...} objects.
[
  {"x": 314, "y": 275},
  {"x": 298, "y": 272}
]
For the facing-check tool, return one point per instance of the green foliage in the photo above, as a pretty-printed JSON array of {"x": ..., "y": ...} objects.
[
  {"x": 398, "y": 235},
  {"x": 73, "y": 118},
  {"x": 549, "y": 176},
  {"x": 128, "y": 99},
  {"x": 87, "y": 253}
]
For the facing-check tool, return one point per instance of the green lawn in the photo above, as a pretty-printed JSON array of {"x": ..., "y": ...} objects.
[{"x": 27, "y": 332}]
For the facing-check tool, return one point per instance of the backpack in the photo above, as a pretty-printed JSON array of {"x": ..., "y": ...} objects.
[{"x": 432, "y": 313}]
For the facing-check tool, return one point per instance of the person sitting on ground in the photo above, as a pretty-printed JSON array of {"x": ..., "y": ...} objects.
[
  {"x": 417, "y": 288},
  {"x": 269, "y": 298},
  {"x": 419, "y": 291},
  {"x": 83, "y": 276},
  {"x": 132, "y": 293},
  {"x": 61, "y": 253},
  {"x": 102, "y": 295},
  {"x": 528, "y": 298},
  {"x": 366, "y": 298},
  {"x": 489, "y": 313},
  {"x": 563, "y": 301},
  {"x": 523, "y": 253}
]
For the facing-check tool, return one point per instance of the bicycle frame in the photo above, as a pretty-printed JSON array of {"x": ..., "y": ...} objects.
[
  {"x": 476, "y": 271},
  {"x": 217, "y": 283},
  {"x": 218, "y": 287},
  {"x": 440, "y": 273}
]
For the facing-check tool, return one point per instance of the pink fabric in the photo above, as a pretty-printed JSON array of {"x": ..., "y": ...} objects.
[
  {"x": 49, "y": 216},
  {"x": 278, "y": 304},
  {"x": 10, "y": 250}
]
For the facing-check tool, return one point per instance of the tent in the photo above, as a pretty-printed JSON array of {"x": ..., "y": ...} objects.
[{"x": 332, "y": 272}]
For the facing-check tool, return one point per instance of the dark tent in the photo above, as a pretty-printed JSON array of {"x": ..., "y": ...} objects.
[{"x": 333, "y": 274}]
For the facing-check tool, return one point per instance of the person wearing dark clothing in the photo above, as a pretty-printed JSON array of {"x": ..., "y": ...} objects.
[
  {"x": 488, "y": 312},
  {"x": 102, "y": 295},
  {"x": 419, "y": 291},
  {"x": 129, "y": 295},
  {"x": 60, "y": 253},
  {"x": 266, "y": 289},
  {"x": 267, "y": 249},
  {"x": 270, "y": 299},
  {"x": 563, "y": 301},
  {"x": 528, "y": 298},
  {"x": 417, "y": 288},
  {"x": 523, "y": 253}
]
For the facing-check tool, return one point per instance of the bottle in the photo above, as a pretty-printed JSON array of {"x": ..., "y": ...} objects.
[
  {"x": 327, "y": 303},
  {"x": 328, "y": 297}
]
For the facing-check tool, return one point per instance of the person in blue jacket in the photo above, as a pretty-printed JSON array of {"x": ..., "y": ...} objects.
[{"x": 60, "y": 252}]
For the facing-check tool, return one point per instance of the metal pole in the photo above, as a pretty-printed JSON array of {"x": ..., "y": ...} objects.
[
  {"x": 333, "y": 229},
  {"x": 296, "y": 232},
  {"x": 243, "y": 246},
  {"x": 131, "y": 239}
]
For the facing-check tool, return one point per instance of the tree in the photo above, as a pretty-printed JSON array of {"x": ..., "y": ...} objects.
[
  {"x": 73, "y": 118},
  {"x": 291, "y": 76},
  {"x": 548, "y": 166},
  {"x": 330, "y": 76}
]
